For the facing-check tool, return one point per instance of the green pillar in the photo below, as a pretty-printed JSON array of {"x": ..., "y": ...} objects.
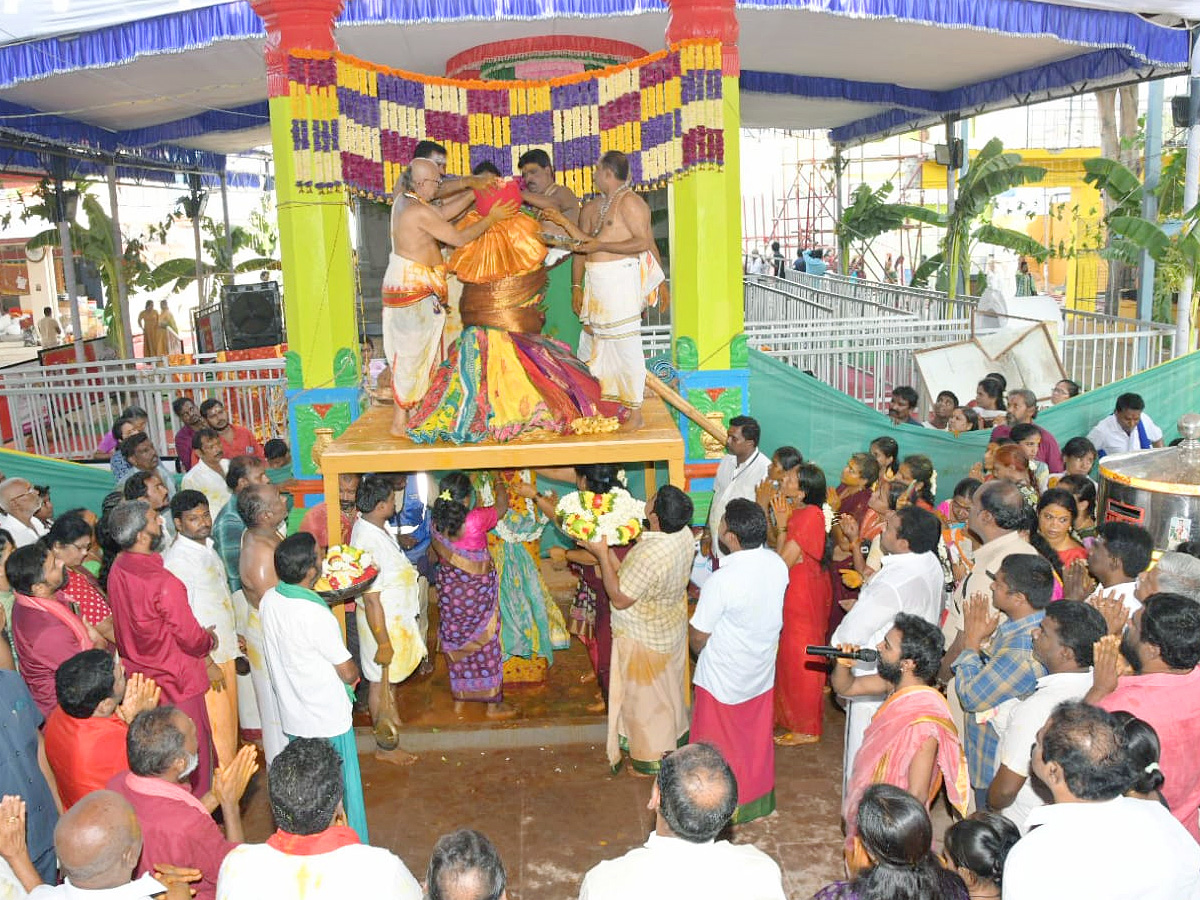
[{"x": 323, "y": 365}]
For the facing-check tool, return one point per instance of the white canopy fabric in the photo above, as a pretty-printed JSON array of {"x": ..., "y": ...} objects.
[
  {"x": 1183, "y": 9},
  {"x": 185, "y": 79}
]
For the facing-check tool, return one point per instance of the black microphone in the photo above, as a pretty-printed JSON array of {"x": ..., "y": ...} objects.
[{"x": 837, "y": 653}]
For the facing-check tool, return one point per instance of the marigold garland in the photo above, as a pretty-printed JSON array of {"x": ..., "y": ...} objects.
[{"x": 355, "y": 124}]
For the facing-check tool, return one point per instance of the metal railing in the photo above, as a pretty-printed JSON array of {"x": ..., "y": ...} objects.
[
  {"x": 1096, "y": 349},
  {"x": 64, "y": 411},
  {"x": 918, "y": 302},
  {"x": 864, "y": 358}
]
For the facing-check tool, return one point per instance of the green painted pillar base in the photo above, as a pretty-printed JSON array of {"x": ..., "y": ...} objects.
[{"x": 332, "y": 408}]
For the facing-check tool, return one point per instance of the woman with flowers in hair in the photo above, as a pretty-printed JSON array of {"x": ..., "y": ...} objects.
[
  {"x": 469, "y": 595},
  {"x": 804, "y": 546}
]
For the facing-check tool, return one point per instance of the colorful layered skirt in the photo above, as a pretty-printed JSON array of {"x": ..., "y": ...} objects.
[{"x": 503, "y": 378}]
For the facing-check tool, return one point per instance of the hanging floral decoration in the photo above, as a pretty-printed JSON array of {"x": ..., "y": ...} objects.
[{"x": 355, "y": 124}]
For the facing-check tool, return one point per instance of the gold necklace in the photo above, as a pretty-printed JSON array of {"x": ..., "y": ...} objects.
[
  {"x": 411, "y": 196},
  {"x": 608, "y": 202}
]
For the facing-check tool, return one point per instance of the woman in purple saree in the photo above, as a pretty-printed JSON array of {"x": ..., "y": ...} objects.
[{"x": 468, "y": 595}]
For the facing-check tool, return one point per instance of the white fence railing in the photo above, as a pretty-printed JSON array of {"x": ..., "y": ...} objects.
[
  {"x": 1096, "y": 349},
  {"x": 63, "y": 411}
]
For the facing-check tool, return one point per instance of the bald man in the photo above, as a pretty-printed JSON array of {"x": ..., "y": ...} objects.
[
  {"x": 414, "y": 286},
  {"x": 20, "y": 502},
  {"x": 98, "y": 842}
]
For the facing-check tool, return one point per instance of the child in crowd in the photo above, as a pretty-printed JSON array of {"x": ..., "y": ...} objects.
[
  {"x": 943, "y": 408},
  {"x": 1083, "y": 489},
  {"x": 1079, "y": 455},
  {"x": 916, "y": 473},
  {"x": 886, "y": 451},
  {"x": 960, "y": 547},
  {"x": 1028, "y": 437},
  {"x": 989, "y": 399},
  {"x": 1011, "y": 463},
  {"x": 964, "y": 418}
]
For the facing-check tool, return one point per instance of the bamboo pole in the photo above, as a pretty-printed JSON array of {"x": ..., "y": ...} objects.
[{"x": 673, "y": 397}]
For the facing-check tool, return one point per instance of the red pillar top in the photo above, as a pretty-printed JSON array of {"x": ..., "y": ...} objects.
[
  {"x": 707, "y": 19},
  {"x": 294, "y": 25}
]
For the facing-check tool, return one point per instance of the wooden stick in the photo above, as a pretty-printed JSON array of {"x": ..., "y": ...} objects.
[{"x": 673, "y": 397}]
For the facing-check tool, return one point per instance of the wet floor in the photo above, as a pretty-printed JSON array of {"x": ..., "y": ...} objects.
[{"x": 553, "y": 809}]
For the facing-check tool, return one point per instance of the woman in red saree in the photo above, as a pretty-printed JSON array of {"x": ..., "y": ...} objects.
[{"x": 800, "y": 679}]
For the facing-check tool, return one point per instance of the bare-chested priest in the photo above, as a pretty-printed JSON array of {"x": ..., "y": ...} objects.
[
  {"x": 264, "y": 510},
  {"x": 612, "y": 287},
  {"x": 414, "y": 287},
  {"x": 538, "y": 171}
]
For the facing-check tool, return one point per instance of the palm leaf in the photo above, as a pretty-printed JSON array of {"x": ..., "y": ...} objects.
[
  {"x": 920, "y": 213},
  {"x": 182, "y": 271},
  {"x": 1143, "y": 233},
  {"x": 1118, "y": 181},
  {"x": 925, "y": 271},
  {"x": 1016, "y": 241}
]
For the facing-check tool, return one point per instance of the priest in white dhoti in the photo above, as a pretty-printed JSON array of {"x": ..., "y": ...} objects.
[{"x": 388, "y": 633}]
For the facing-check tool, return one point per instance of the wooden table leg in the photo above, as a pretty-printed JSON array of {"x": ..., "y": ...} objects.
[
  {"x": 651, "y": 480},
  {"x": 333, "y": 519},
  {"x": 675, "y": 471}
]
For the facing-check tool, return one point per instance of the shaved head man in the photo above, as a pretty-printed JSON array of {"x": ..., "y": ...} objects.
[{"x": 98, "y": 841}]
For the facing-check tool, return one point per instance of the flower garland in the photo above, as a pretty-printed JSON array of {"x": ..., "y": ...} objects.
[
  {"x": 588, "y": 516},
  {"x": 355, "y": 124}
]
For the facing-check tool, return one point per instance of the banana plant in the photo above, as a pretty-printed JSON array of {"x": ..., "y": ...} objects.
[
  {"x": 1173, "y": 242},
  {"x": 991, "y": 173},
  {"x": 94, "y": 241},
  {"x": 222, "y": 267}
]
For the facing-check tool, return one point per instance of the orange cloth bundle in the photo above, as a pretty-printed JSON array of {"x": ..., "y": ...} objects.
[{"x": 511, "y": 247}]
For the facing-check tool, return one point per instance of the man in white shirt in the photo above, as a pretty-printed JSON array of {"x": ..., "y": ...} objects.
[
  {"x": 739, "y": 473},
  {"x": 1119, "y": 554},
  {"x": 310, "y": 669},
  {"x": 209, "y": 473},
  {"x": 910, "y": 581},
  {"x": 1091, "y": 841},
  {"x": 735, "y": 636},
  {"x": 98, "y": 841},
  {"x": 20, "y": 502},
  {"x": 693, "y": 799},
  {"x": 1063, "y": 644},
  {"x": 1127, "y": 429},
  {"x": 312, "y": 849},
  {"x": 193, "y": 560}
]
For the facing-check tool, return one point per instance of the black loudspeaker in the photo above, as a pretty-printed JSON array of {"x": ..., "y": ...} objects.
[{"x": 251, "y": 315}]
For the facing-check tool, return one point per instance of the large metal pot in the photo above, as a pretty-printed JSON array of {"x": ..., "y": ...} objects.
[{"x": 1156, "y": 489}]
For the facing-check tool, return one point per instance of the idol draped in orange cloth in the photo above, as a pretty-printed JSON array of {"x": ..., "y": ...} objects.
[
  {"x": 800, "y": 679},
  {"x": 502, "y": 377}
]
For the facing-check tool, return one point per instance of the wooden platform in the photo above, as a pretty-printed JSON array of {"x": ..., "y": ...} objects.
[{"x": 367, "y": 446}]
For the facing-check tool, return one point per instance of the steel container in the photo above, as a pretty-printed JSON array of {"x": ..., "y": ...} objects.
[{"x": 1156, "y": 489}]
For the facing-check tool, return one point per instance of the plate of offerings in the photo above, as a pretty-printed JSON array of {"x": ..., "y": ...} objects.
[
  {"x": 588, "y": 516},
  {"x": 346, "y": 573}
]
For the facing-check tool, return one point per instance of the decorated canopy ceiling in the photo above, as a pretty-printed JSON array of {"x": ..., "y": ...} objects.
[{"x": 190, "y": 84}]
